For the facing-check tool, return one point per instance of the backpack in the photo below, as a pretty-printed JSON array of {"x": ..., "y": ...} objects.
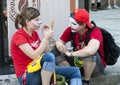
[{"x": 111, "y": 49}]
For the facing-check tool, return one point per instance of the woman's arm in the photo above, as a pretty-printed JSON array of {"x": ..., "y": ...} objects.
[{"x": 29, "y": 51}]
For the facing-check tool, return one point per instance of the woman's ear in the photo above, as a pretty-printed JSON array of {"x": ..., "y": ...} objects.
[{"x": 27, "y": 22}]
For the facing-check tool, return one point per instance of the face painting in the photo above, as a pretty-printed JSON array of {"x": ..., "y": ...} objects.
[
  {"x": 36, "y": 22},
  {"x": 74, "y": 25}
]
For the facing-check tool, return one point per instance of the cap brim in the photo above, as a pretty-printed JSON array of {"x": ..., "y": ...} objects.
[{"x": 89, "y": 24}]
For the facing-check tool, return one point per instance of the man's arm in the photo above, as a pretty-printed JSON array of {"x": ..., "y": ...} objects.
[
  {"x": 61, "y": 46},
  {"x": 88, "y": 50}
]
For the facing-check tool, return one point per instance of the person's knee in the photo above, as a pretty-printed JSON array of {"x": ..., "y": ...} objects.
[
  {"x": 48, "y": 62},
  {"x": 89, "y": 64},
  {"x": 49, "y": 57},
  {"x": 55, "y": 51}
]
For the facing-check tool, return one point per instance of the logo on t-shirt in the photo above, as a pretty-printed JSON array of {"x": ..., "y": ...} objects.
[{"x": 35, "y": 44}]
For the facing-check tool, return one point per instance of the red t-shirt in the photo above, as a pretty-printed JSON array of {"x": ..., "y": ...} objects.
[
  {"x": 20, "y": 59},
  {"x": 79, "y": 40}
]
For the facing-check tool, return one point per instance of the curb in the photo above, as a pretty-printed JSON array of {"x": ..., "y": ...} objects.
[
  {"x": 111, "y": 77},
  {"x": 8, "y": 79}
]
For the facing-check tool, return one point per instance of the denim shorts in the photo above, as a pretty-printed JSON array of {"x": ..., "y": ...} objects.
[
  {"x": 35, "y": 77},
  {"x": 95, "y": 58},
  {"x": 31, "y": 78}
]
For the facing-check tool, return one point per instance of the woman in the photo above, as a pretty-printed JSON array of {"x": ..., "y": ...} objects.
[{"x": 26, "y": 45}]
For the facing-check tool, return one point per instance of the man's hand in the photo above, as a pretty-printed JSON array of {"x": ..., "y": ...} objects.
[
  {"x": 68, "y": 53},
  {"x": 61, "y": 47}
]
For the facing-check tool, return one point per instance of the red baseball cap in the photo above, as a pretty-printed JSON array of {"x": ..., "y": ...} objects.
[{"x": 81, "y": 15}]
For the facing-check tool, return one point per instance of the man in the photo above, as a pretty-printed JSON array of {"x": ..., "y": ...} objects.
[{"x": 92, "y": 61}]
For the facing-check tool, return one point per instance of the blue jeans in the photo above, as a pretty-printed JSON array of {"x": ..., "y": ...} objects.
[
  {"x": 48, "y": 63},
  {"x": 68, "y": 71}
]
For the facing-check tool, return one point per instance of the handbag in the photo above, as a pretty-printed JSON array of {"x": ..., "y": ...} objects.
[
  {"x": 35, "y": 65},
  {"x": 58, "y": 80}
]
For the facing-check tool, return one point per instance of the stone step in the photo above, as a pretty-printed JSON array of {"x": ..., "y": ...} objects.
[
  {"x": 111, "y": 77},
  {"x": 8, "y": 79}
]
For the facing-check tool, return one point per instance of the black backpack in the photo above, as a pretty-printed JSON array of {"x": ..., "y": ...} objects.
[{"x": 112, "y": 51}]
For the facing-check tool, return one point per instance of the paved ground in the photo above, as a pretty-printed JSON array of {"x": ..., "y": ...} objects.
[{"x": 108, "y": 19}]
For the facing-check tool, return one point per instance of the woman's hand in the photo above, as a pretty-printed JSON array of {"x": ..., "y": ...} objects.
[{"x": 47, "y": 32}]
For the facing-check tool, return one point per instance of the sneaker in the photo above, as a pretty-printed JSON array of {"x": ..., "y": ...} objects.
[
  {"x": 115, "y": 6},
  {"x": 101, "y": 8},
  {"x": 109, "y": 7},
  {"x": 93, "y": 8},
  {"x": 84, "y": 82}
]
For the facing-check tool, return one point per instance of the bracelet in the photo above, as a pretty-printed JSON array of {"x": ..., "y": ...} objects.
[{"x": 71, "y": 54}]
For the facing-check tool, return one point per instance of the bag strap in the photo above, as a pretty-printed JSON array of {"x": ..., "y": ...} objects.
[
  {"x": 94, "y": 24},
  {"x": 54, "y": 76},
  {"x": 72, "y": 41},
  {"x": 87, "y": 37},
  {"x": 24, "y": 77}
]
